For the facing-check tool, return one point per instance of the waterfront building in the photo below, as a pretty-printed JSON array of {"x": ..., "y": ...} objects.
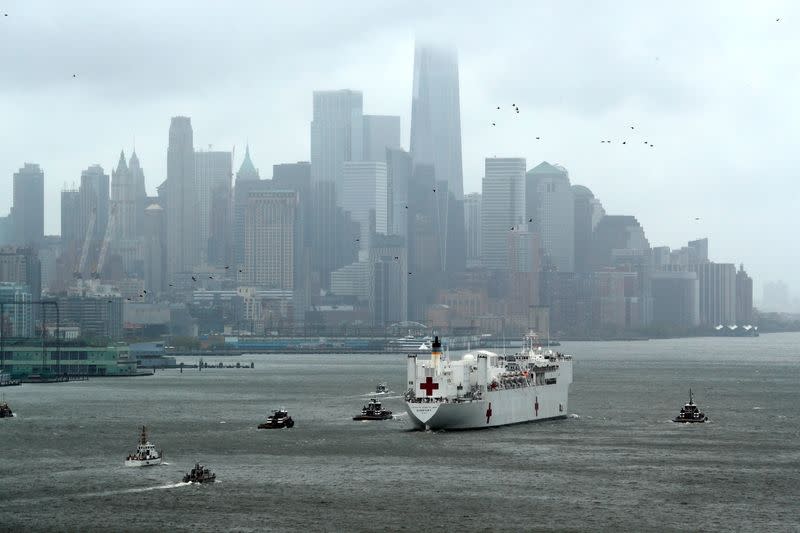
[
  {"x": 744, "y": 298},
  {"x": 717, "y": 293},
  {"x": 676, "y": 299},
  {"x": 24, "y": 360},
  {"x": 16, "y": 318}
]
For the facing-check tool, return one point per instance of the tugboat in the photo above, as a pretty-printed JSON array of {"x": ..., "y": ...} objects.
[
  {"x": 199, "y": 474},
  {"x": 146, "y": 453},
  {"x": 690, "y": 414},
  {"x": 5, "y": 410},
  {"x": 382, "y": 388},
  {"x": 373, "y": 411},
  {"x": 277, "y": 420}
]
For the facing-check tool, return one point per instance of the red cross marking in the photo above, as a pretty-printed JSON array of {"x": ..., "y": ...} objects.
[{"x": 429, "y": 386}]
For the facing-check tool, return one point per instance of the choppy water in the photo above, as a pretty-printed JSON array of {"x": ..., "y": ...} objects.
[{"x": 616, "y": 464}]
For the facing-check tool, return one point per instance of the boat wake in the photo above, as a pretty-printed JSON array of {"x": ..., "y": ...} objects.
[
  {"x": 109, "y": 492},
  {"x": 573, "y": 415}
]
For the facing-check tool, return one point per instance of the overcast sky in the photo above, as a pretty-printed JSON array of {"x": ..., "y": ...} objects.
[{"x": 714, "y": 86}]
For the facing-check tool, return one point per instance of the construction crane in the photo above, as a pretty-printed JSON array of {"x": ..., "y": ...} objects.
[
  {"x": 86, "y": 241},
  {"x": 101, "y": 258}
]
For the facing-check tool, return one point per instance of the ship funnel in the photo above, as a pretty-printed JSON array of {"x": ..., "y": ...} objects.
[{"x": 436, "y": 352}]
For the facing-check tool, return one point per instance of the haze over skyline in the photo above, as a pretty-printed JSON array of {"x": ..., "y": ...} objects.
[{"x": 718, "y": 105}]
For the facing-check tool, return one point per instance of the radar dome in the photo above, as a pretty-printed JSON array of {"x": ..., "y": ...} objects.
[{"x": 469, "y": 359}]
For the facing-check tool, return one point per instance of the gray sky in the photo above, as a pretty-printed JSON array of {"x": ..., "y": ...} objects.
[{"x": 713, "y": 85}]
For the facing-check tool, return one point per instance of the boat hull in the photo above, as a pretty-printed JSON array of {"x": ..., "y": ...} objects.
[
  {"x": 373, "y": 417},
  {"x": 144, "y": 462},
  {"x": 496, "y": 408}
]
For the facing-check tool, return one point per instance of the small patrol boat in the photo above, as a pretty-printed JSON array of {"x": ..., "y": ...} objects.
[
  {"x": 373, "y": 411},
  {"x": 277, "y": 420},
  {"x": 199, "y": 474},
  {"x": 690, "y": 413},
  {"x": 145, "y": 454},
  {"x": 5, "y": 410},
  {"x": 382, "y": 388}
]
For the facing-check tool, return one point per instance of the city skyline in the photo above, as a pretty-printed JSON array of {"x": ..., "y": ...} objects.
[{"x": 680, "y": 112}]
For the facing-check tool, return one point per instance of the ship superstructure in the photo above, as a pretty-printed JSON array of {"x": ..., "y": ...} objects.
[
  {"x": 486, "y": 389},
  {"x": 146, "y": 453}
]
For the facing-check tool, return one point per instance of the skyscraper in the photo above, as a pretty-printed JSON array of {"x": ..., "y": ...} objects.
[
  {"x": 472, "y": 228},
  {"x": 269, "y": 239},
  {"x": 549, "y": 202},
  {"x": 502, "y": 208},
  {"x": 380, "y": 132},
  {"x": 123, "y": 198},
  {"x": 364, "y": 191},
  {"x": 247, "y": 180},
  {"x": 213, "y": 173},
  {"x": 127, "y": 190},
  {"x": 436, "y": 141},
  {"x": 336, "y": 136},
  {"x": 182, "y": 210},
  {"x": 588, "y": 212},
  {"x": 744, "y": 297},
  {"x": 27, "y": 212},
  {"x": 399, "y": 167},
  {"x": 154, "y": 249},
  {"x": 137, "y": 178},
  {"x": 436, "y": 115}
]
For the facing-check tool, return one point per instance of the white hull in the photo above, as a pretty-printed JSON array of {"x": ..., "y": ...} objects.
[
  {"x": 508, "y": 406},
  {"x": 145, "y": 462}
]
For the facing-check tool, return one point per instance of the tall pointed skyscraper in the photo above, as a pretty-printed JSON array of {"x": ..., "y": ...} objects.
[
  {"x": 123, "y": 199},
  {"x": 137, "y": 177},
  {"x": 183, "y": 214},
  {"x": 436, "y": 142}
]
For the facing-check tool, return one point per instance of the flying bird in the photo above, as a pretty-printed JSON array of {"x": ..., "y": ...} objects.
[
  {"x": 697, "y": 218},
  {"x": 530, "y": 220},
  {"x": 498, "y": 107},
  {"x": 210, "y": 277},
  {"x": 406, "y": 207},
  {"x": 537, "y": 138},
  {"x": 409, "y": 273},
  {"x": 74, "y": 75},
  {"x": 226, "y": 267},
  {"x": 144, "y": 291},
  {"x": 240, "y": 270},
  {"x": 623, "y": 142},
  {"x": 358, "y": 240},
  {"x": 493, "y": 124},
  {"x": 434, "y": 190},
  {"x": 194, "y": 278},
  {"x": 776, "y": 20},
  {"x": 631, "y": 127}
]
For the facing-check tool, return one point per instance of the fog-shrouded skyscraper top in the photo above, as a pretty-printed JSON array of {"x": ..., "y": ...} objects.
[{"x": 436, "y": 114}]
